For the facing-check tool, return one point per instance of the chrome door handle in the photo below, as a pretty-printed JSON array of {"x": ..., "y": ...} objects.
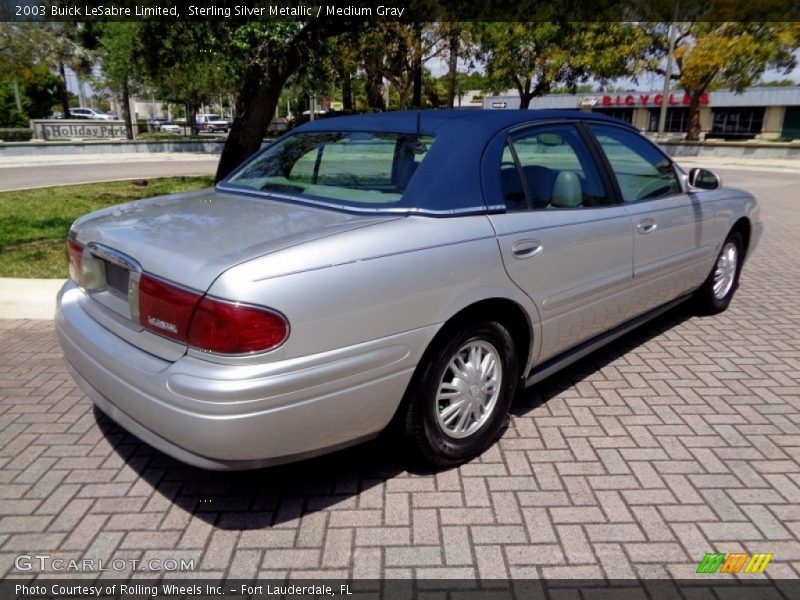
[
  {"x": 527, "y": 248},
  {"x": 647, "y": 226}
]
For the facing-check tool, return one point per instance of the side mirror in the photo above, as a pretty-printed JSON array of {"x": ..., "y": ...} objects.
[{"x": 704, "y": 179}]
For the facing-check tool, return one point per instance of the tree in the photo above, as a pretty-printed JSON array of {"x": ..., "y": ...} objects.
[
  {"x": 188, "y": 63},
  {"x": 36, "y": 88},
  {"x": 120, "y": 47},
  {"x": 68, "y": 45},
  {"x": 435, "y": 90},
  {"x": 21, "y": 50},
  {"x": 710, "y": 55},
  {"x": 777, "y": 83},
  {"x": 534, "y": 57},
  {"x": 469, "y": 81},
  {"x": 274, "y": 51},
  {"x": 261, "y": 56},
  {"x": 346, "y": 52},
  {"x": 456, "y": 43}
]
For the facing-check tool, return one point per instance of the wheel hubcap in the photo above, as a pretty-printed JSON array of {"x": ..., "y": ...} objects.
[
  {"x": 469, "y": 389},
  {"x": 725, "y": 272}
]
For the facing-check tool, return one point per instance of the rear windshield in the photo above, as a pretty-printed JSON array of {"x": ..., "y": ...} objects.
[{"x": 355, "y": 169}]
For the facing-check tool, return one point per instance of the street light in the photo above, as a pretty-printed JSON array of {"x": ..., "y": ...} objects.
[{"x": 662, "y": 115}]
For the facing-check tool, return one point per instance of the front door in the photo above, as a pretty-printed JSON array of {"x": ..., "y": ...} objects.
[{"x": 672, "y": 246}]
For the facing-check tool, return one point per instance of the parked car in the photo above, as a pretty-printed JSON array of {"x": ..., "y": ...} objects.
[
  {"x": 168, "y": 127},
  {"x": 155, "y": 122},
  {"x": 211, "y": 123},
  {"x": 410, "y": 268},
  {"x": 89, "y": 113}
]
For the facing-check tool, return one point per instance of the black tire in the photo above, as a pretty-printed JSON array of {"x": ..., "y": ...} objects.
[
  {"x": 424, "y": 431},
  {"x": 706, "y": 300}
]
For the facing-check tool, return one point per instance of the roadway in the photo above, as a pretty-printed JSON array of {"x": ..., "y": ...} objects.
[{"x": 21, "y": 172}]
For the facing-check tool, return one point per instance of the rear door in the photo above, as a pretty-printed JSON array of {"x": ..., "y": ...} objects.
[
  {"x": 672, "y": 229},
  {"x": 564, "y": 240}
]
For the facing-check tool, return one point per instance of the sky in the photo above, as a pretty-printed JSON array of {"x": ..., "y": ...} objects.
[{"x": 646, "y": 83}]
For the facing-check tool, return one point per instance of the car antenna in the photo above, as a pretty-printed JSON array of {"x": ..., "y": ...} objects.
[{"x": 419, "y": 121}]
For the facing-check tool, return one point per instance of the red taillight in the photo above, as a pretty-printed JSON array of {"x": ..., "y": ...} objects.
[
  {"x": 230, "y": 328},
  {"x": 74, "y": 254},
  {"x": 206, "y": 323},
  {"x": 165, "y": 308}
]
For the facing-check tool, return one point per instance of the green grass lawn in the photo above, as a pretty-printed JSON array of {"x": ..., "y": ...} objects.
[{"x": 35, "y": 223}]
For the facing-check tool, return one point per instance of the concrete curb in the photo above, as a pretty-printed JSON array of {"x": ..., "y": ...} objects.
[
  {"x": 211, "y": 146},
  {"x": 28, "y": 298}
]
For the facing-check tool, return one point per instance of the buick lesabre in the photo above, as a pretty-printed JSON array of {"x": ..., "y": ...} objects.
[{"x": 408, "y": 269}]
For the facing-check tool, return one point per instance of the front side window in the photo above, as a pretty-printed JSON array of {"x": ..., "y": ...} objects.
[
  {"x": 549, "y": 167},
  {"x": 641, "y": 170},
  {"x": 358, "y": 169}
]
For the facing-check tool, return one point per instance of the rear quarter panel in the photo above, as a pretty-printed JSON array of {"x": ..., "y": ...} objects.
[{"x": 374, "y": 282}]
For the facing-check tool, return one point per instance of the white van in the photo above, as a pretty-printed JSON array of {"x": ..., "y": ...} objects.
[{"x": 211, "y": 122}]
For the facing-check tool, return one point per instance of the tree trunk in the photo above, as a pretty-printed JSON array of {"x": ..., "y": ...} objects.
[
  {"x": 126, "y": 109},
  {"x": 188, "y": 121},
  {"x": 17, "y": 97},
  {"x": 452, "y": 69},
  {"x": 403, "y": 93},
  {"x": 347, "y": 91},
  {"x": 416, "y": 94},
  {"x": 374, "y": 85},
  {"x": 693, "y": 131},
  {"x": 260, "y": 91},
  {"x": 257, "y": 101},
  {"x": 62, "y": 90},
  {"x": 192, "y": 108}
]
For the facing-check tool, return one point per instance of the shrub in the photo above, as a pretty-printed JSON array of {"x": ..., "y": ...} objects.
[
  {"x": 15, "y": 134},
  {"x": 159, "y": 135}
]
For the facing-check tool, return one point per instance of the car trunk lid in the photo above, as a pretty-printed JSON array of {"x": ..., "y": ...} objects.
[{"x": 189, "y": 240}]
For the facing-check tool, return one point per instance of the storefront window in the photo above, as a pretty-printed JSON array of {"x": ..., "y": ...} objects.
[
  {"x": 677, "y": 120},
  {"x": 623, "y": 114},
  {"x": 737, "y": 123}
]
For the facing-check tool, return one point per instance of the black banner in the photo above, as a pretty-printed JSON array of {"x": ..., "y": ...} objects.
[
  {"x": 706, "y": 586},
  {"x": 410, "y": 10}
]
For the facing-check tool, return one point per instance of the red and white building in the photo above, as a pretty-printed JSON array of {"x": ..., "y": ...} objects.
[{"x": 756, "y": 113}]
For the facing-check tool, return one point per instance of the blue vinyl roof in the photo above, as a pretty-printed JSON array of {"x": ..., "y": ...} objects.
[
  {"x": 482, "y": 123},
  {"x": 449, "y": 179}
]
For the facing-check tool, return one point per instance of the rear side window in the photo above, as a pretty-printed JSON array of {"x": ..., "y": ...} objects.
[
  {"x": 550, "y": 167},
  {"x": 642, "y": 171},
  {"x": 352, "y": 168}
]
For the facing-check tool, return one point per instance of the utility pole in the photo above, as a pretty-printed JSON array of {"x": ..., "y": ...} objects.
[
  {"x": 17, "y": 97},
  {"x": 662, "y": 115}
]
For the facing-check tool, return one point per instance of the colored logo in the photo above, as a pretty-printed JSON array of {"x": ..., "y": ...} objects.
[{"x": 741, "y": 562}]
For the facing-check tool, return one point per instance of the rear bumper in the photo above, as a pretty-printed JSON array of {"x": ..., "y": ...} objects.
[{"x": 238, "y": 416}]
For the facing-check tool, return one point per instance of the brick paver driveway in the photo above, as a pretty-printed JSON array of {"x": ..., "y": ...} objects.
[{"x": 679, "y": 439}]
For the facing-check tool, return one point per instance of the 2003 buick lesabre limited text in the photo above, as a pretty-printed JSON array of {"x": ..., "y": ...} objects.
[{"x": 405, "y": 270}]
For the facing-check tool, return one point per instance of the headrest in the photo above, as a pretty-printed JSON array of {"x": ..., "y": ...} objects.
[{"x": 567, "y": 191}]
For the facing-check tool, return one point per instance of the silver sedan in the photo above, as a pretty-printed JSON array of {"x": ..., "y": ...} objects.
[{"x": 405, "y": 270}]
